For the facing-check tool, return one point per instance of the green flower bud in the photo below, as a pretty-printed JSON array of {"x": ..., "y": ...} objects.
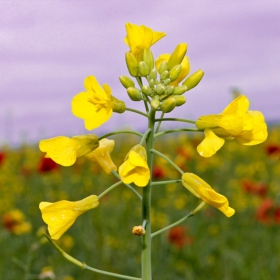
[
  {"x": 175, "y": 72},
  {"x": 193, "y": 80},
  {"x": 132, "y": 64},
  {"x": 126, "y": 81},
  {"x": 118, "y": 105},
  {"x": 180, "y": 90},
  {"x": 152, "y": 83},
  {"x": 180, "y": 100},
  {"x": 143, "y": 69},
  {"x": 160, "y": 89},
  {"x": 166, "y": 82},
  {"x": 153, "y": 74},
  {"x": 147, "y": 90},
  {"x": 148, "y": 58},
  {"x": 155, "y": 102},
  {"x": 134, "y": 94},
  {"x": 163, "y": 66},
  {"x": 164, "y": 75},
  {"x": 168, "y": 105},
  {"x": 177, "y": 56},
  {"x": 170, "y": 90}
]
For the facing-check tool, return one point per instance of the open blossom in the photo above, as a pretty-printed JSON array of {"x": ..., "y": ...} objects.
[
  {"x": 202, "y": 190},
  {"x": 95, "y": 105},
  {"x": 102, "y": 156},
  {"x": 248, "y": 127},
  {"x": 140, "y": 37},
  {"x": 61, "y": 215},
  {"x": 135, "y": 168},
  {"x": 64, "y": 150}
]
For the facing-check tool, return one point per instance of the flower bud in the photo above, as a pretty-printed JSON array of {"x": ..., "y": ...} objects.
[
  {"x": 164, "y": 75},
  {"x": 180, "y": 100},
  {"x": 153, "y": 74},
  {"x": 175, "y": 72},
  {"x": 155, "y": 102},
  {"x": 148, "y": 58},
  {"x": 147, "y": 90},
  {"x": 138, "y": 230},
  {"x": 160, "y": 89},
  {"x": 132, "y": 64},
  {"x": 118, "y": 105},
  {"x": 168, "y": 105},
  {"x": 163, "y": 66},
  {"x": 166, "y": 82},
  {"x": 177, "y": 55},
  {"x": 193, "y": 80},
  {"x": 143, "y": 69},
  {"x": 170, "y": 90},
  {"x": 134, "y": 94},
  {"x": 152, "y": 83},
  {"x": 126, "y": 81},
  {"x": 180, "y": 90}
]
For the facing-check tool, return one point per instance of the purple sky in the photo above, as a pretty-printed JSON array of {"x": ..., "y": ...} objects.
[{"x": 47, "y": 48}]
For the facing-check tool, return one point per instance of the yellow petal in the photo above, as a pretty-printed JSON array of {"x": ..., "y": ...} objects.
[
  {"x": 210, "y": 145},
  {"x": 204, "y": 191},
  {"x": 61, "y": 215},
  {"x": 240, "y": 105}
]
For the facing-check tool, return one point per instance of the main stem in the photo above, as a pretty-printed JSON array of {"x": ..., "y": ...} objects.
[{"x": 146, "y": 206}]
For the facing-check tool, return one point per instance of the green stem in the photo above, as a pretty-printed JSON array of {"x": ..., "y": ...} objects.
[
  {"x": 178, "y": 130},
  {"x": 139, "y": 81},
  {"x": 169, "y": 160},
  {"x": 158, "y": 126},
  {"x": 192, "y": 213},
  {"x": 127, "y": 185},
  {"x": 136, "y": 111},
  {"x": 109, "y": 189},
  {"x": 166, "y": 182},
  {"x": 83, "y": 265},
  {"x": 145, "y": 136},
  {"x": 146, "y": 206},
  {"x": 120, "y": 132},
  {"x": 174, "y": 119}
]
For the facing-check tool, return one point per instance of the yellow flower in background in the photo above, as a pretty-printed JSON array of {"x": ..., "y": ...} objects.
[
  {"x": 248, "y": 127},
  {"x": 15, "y": 222},
  {"x": 102, "y": 156},
  {"x": 140, "y": 37},
  {"x": 185, "y": 67},
  {"x": 61, "y": 215},
  {"x": 135, "y": 168},
  {"x": 95, "y": 105},
  {"x": 64, "y": 150},
  {"x": 202, "y": 190}
]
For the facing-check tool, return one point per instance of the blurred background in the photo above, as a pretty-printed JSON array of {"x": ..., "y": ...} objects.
[{"x": 47, "y": 48}]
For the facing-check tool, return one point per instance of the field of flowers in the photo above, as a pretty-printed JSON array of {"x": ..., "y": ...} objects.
[{"x": 206, "y": 246}]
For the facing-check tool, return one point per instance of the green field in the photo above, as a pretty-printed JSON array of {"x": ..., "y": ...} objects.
[{"x": 205, "y": 247}]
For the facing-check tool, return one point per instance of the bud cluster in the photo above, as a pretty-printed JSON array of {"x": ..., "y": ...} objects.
[{"x": 161, "y": 90}]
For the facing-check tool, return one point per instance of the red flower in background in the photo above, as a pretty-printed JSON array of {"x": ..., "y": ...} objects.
[
  {"x": 268, "y": 212},
  {"x": 47, "y": 165},
  {"x": 2, "y": 157},
  {"x": 178, "y": 237},
  {"x": 158, "y": 172},
  {"x": 256, "y": 188},
  {"x": 272, "y": 150}
]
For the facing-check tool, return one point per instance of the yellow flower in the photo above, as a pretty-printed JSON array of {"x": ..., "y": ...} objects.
[
  {"x": 135, "y": 168},
  {"x": 140, "y": 37},
  {"x": 64, "y": 150},
  {"x": 185, "y": 67},
  {"x": 101, "y": 155},
  {"x": 202, "y": 190},
  {"x": 61, "y": 215},
  {"x": 248, "y": 127},
  {"x": 95, "y": 105}
]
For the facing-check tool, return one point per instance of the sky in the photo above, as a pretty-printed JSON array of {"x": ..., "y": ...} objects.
[{"x": 47, "y": 48}]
